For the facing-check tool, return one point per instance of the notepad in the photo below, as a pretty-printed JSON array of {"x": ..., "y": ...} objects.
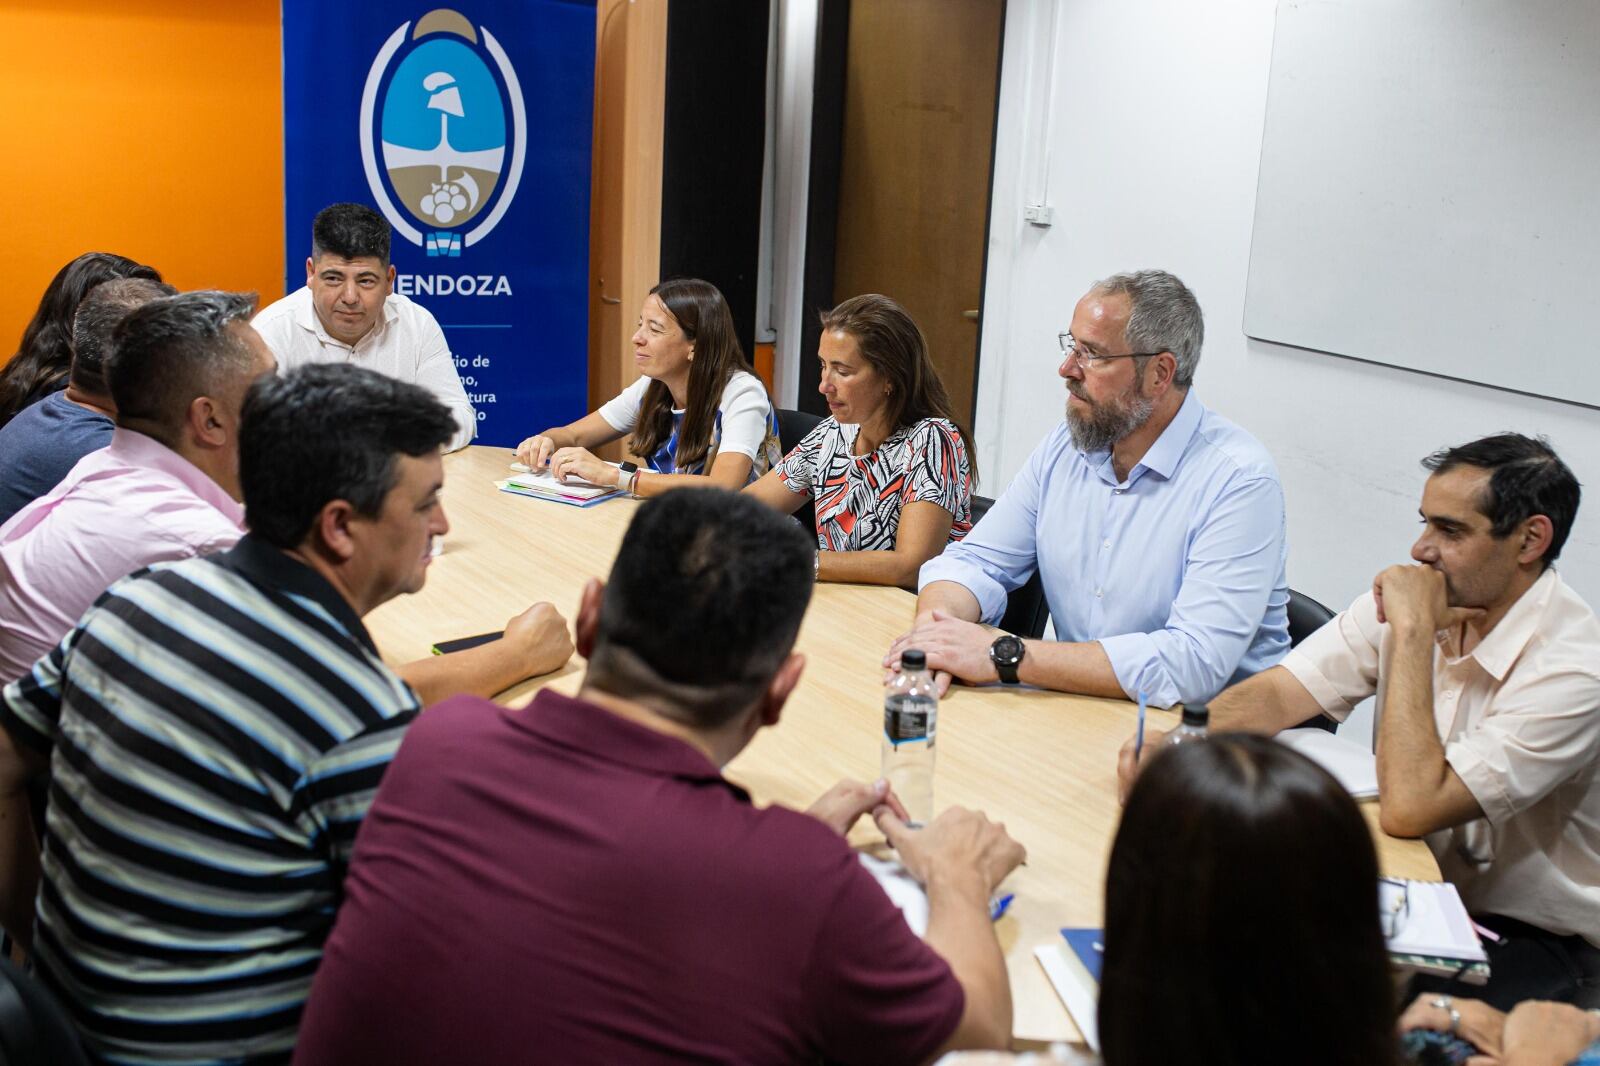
[
  {"x": 540, "y": 485},
  {"x": 1073, "y": 967},
  {"x": 1435, "y": 923},
  {"x": 1352, "y": 765}
]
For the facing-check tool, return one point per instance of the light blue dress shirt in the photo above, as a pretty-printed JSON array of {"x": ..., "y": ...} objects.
[{"x": 1178, "y": 571}]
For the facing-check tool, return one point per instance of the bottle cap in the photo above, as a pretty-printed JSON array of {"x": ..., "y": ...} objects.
[
  {"x": 912, "y": 659},
  {"x": 1198, "y": 715}
]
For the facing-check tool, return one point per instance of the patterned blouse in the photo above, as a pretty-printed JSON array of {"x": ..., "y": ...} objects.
[{"x": 858, "y": 498}]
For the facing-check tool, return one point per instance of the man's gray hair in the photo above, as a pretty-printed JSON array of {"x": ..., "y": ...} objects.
[{"x": 1163, "y": 316}]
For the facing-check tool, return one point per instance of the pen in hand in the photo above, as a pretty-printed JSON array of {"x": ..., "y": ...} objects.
[{"x": 1138, "y": 740}]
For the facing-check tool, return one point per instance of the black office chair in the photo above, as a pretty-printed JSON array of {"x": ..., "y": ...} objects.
[
  {"x": 1306, "y": 616},
  {"x": 34, "y": 1029},
  {"x": 792, "y": 429},
  {"x": 1027, "y": 612}
]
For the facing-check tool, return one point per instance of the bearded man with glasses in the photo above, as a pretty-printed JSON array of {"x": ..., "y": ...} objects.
[{"x": 1157, "y": 526}]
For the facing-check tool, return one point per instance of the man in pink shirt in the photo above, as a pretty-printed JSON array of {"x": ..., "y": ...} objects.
[{"x": 165, "y": 488}]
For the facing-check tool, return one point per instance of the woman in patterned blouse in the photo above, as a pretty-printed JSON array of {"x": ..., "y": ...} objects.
[
  {"x": 890, "y": 472},
  {"x": 697, "y": 414}
]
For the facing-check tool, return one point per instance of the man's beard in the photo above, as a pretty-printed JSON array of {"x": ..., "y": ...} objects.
[{"x": 1106, "y": 423}]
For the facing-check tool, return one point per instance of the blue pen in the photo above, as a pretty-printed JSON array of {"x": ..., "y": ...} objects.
[
  {"x": 999, "y": 906},
  {"x": 1138, "y": 740}
]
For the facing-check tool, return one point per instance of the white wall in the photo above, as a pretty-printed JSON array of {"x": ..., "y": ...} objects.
[{"x": 1151, "y": 149}]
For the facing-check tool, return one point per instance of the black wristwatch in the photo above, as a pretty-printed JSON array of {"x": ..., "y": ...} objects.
[
  {"x": 628, "y": 468},
  {"x": 1006, "y": 654}
]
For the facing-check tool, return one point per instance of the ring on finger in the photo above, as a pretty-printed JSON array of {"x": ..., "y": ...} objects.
[{"x": 1445, "y": 1004}]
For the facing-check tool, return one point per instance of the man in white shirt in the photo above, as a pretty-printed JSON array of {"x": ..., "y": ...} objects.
[
  {"x": 348, "y": 312},
  {"x": 1486, "y": 667}
]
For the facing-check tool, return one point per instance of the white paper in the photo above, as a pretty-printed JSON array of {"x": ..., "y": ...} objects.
[
  {"x": 1352, "y": 765},
  {"x": 1072, "y": 983},
  {"x": 902, "y": 889}
]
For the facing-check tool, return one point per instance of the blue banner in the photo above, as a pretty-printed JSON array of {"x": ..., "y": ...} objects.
[{"x": 470, "y": 130}]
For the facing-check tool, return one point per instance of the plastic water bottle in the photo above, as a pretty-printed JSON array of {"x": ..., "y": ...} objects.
[
  {"x": 1196, "y": 721},
  {"x": 910, "y": 727}
]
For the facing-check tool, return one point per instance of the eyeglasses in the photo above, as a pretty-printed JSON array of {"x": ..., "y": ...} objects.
[{"x": 1070, "y": 349}]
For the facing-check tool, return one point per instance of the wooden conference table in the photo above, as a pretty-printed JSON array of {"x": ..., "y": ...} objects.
[{"x": 1043, "y": 763}]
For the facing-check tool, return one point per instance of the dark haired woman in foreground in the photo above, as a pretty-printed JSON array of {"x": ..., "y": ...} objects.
[
  {"x": 1242, "y": 916},
  {"x": 1241, "y": 928}
]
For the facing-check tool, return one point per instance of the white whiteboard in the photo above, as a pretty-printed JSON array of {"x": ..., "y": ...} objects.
[{"x": 1429, "y": 194}]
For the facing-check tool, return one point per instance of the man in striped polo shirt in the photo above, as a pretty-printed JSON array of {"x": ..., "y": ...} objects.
[{"x": 214, "y": 730}]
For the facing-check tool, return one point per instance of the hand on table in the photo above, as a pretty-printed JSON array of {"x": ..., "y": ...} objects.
[
  {"x": 578, "y": 464},
  {"x": 1129, "y": 767},
  {"x": 957, "y": 840},
  {"x": 1481, "y": 1025},
  {"x": 1416, "y": 596},
  {"x": 534, "y": 453},
  {"x": 539, "y": 638},
  {"x": 955, "y": 649},
  {"x": 840, "y": 806}
]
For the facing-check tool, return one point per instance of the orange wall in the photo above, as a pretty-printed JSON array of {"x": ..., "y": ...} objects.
[{"x": 153, "y": 129}]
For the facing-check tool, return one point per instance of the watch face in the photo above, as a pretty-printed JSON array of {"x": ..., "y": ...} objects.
[{"x": 1007, "y": 650}]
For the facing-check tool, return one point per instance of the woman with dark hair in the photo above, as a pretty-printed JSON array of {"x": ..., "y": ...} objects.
[
  {"x": 1242, "y": 916},
  {"x": 889, "y": 470},
  {"x": 43, "y": 359},
  {"x": 698, "y": 414}
]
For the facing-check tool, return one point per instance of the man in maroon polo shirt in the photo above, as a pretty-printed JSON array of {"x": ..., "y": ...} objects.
[{"x": 576, "y": 881}]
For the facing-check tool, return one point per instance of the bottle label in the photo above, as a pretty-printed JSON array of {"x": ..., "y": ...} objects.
[{"x": 908, "y": 720}]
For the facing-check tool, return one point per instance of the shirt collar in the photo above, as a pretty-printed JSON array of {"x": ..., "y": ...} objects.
[
  {"x": 1503, "y": 646},
  {"x": 305, "y": 316},
  {"x": 137, "y": 449},
  {"x": 1167, "y": 451},
  {"x": 1163, "y": 456},
  {"x": 273, "y": 568},
  {"x": 599, "y": 734}
]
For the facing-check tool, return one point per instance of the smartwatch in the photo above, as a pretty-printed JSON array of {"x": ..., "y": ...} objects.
[
  {"x": 1006, "y": 654},
  {"x": 626, "y": 480}
]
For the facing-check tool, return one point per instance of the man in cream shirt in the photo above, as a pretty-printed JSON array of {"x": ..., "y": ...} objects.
[
  {"x": 348, "y": 312},
  {"x": 1486, "y": 667}
]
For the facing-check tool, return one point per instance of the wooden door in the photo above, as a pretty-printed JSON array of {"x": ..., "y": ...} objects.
[
  {"x": 625, "y": 190},
  {"x": 918, "y": 134}
]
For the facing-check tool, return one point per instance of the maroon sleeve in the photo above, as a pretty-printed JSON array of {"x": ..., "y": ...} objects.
[{"x": 880, "y": 995}]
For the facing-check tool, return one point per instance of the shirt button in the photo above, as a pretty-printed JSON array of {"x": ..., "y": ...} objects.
[
  {"x": 1097, "y": 594},
  {"x": 1107, "y": 544}
]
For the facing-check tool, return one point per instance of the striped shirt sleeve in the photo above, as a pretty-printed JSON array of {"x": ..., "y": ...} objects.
[
  {"x": 30, "y": 707},
  {"x": 338, "y": 787}
]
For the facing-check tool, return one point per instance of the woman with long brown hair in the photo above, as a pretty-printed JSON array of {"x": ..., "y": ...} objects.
[
  {"x": 698, "y": 414},
  {"x": 889, "y": 470},
  {"x": 45, "y": 355}
]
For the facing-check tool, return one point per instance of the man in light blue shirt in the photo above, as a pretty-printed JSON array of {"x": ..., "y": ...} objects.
[{"x": 1157, "y": 526}]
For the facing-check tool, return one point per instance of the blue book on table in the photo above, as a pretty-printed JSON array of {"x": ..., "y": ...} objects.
[{"x": 1088, "y": 946}]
